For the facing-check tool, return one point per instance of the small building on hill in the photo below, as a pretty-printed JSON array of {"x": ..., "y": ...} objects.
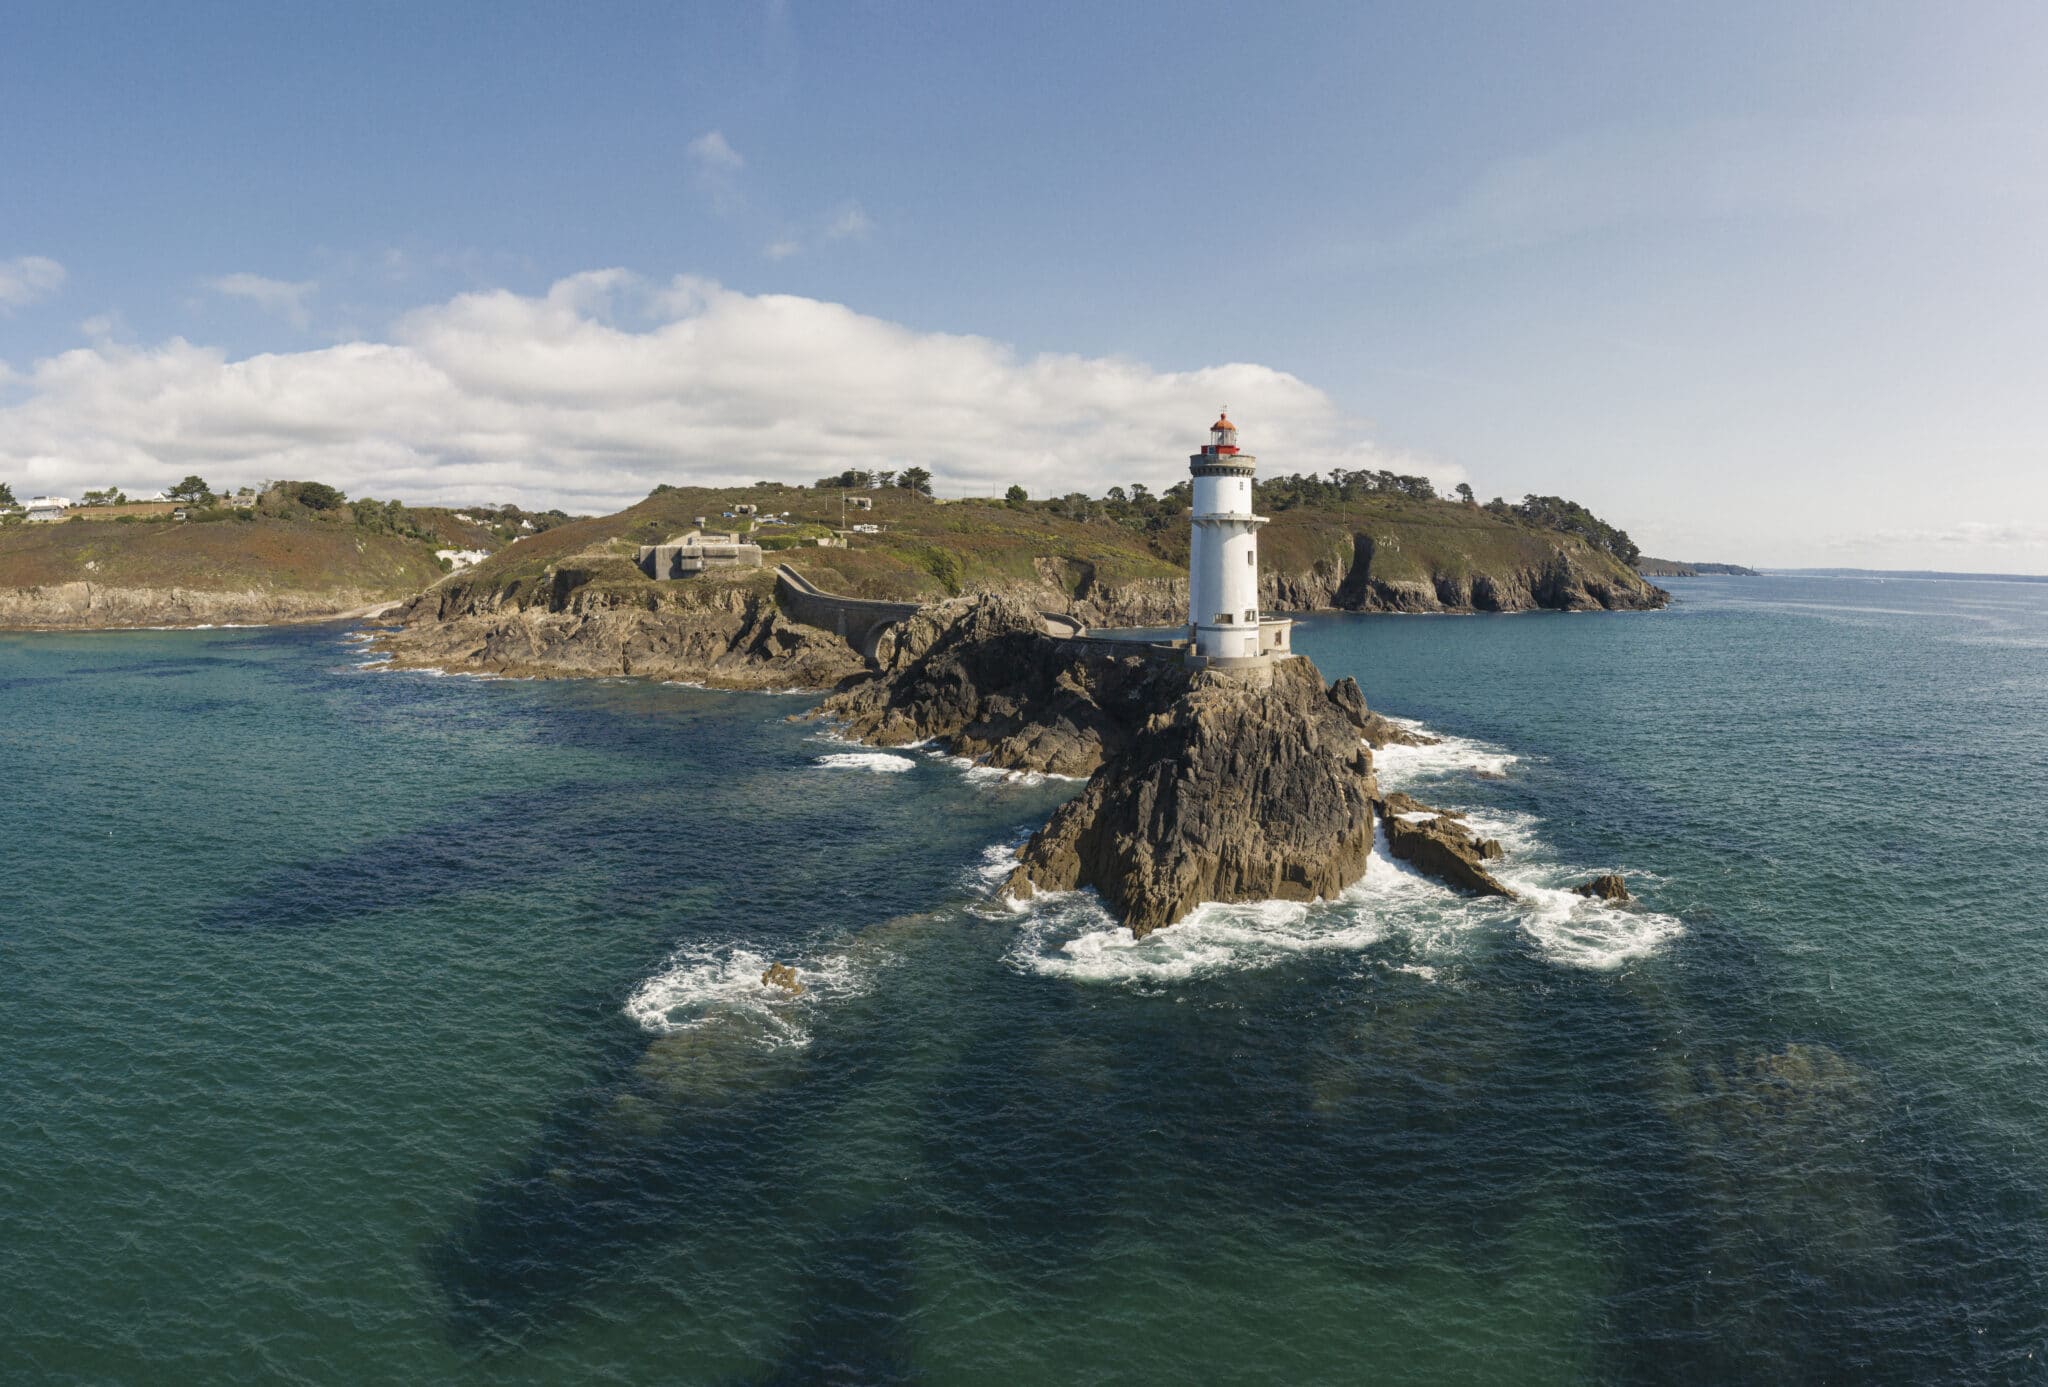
[
  {"x": 688, "y": 554},
  {"x": 47, "y": 508}
]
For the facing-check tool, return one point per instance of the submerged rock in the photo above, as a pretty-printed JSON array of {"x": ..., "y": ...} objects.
[
  {"x": 1250, "y": 786},
  {"x": 1441, "y": 846},
  {"x": 1608, "y": 886}
]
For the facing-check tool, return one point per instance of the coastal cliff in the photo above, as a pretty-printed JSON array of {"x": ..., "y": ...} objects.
[
  {"x": 571, "y": 602},
  {"x": 80, "y": 606},
  {"x": 274, "y": 563}
]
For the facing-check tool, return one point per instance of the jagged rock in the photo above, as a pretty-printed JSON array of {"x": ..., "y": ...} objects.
[
  {"x": 1442, "y": 847},
  {"x": 1399, "y": 802},
  {"x": 783, "y": 976},
  {"x": 1241, "y": 789},
  {"x": 1377, "y": 730},
  {"x": 1608, "y": 886},
  {"x": 979, "y": 675}
]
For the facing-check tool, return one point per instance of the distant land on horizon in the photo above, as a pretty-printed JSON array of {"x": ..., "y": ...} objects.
[
  {"x": 1679, "y": 568},
  {"x": 1917, "y": 574}
]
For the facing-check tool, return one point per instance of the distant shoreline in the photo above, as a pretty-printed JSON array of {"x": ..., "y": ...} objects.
[{"x": 1918, "y": 575}]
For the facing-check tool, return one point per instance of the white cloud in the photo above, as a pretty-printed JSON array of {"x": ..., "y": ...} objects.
[
  {"x": 849, "y": 220},
  {"x": 711, "y": 151},
  {"x": 285, "y": 298},
  {"x": 26, "y": 279},
  {"x": 782, "y": 249},
  {"x": 717, "y": 166},
  {"x": 544, "y": 400}
]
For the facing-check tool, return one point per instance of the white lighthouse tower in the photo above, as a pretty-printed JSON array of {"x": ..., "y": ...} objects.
[{"x": 1224, "y": 626}]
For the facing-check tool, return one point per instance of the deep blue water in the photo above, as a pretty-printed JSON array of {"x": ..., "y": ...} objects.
[{"x": 368, "y": 1027}]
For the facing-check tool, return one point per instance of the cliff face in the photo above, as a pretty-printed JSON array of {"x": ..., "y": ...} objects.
[
  {"x": 1566, "y": 578},
  {"x": 715, "y": 631},
  {"x": 79, "y": 606},
  {"x": 1239, "y": 790},
  {"x": 102, "y": 574}
]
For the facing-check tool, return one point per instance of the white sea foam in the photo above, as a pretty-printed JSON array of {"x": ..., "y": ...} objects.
[
  {"x": 1402, "y": 766},
  {"x": 1072, "y": 935},
  {"x": 700, "y": 983},
  {"x": 1582, "y": 933},
  {"x": 878, "y": 761}
]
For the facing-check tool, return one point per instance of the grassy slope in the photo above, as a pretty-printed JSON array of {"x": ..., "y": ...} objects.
[
  {"x": 928, "y": 550},
  {"x": 1415, "y": 540},
  {"x": 270, "y": 555}
]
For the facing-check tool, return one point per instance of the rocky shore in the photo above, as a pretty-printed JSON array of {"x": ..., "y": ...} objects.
[{"x": 99, "y": 607}]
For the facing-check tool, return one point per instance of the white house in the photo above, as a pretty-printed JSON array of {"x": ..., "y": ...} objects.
[{"x": 44, "y": 508}]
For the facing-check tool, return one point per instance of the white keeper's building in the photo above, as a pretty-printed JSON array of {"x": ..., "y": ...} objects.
[{"x": 1224, "y": 624}]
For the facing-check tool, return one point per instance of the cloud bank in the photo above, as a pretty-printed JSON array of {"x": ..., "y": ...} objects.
[{"x": 590, "y": 394}]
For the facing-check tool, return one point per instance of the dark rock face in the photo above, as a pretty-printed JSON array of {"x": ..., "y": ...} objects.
[
  {"x": 979, "y": 675},
  {"x": 1608, "y": 886},
  {"x": 1441, "y": 846},
  {"x": 1238, "y": 791}
]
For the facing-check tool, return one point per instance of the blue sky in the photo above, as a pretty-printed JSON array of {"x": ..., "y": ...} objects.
[{"x": 1666, "y": 260}]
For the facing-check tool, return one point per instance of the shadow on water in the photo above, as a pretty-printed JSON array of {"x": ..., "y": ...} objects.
[
  {"x": 500, "y": 841},
  {"x": 629, "y": 1164}
]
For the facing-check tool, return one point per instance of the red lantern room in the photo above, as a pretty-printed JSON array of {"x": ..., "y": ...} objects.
[{"x": 1222, "y": 435}]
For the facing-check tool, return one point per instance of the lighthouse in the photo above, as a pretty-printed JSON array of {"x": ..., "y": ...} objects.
[{"x": 1224, "y": 625}]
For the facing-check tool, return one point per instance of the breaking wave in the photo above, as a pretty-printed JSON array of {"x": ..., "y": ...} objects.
[
  {"x": 1399, "y": 767},
  {"x": 1422, "y": 924},
  {"x": 706, "y": 984},
  {"x": 879, "y": 761}
]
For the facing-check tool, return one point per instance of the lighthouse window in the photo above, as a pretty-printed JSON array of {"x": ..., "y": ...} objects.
[{"x": 1250, "y": 557}]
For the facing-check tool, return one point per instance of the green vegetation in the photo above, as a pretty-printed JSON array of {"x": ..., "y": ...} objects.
[
  {"x": 7, "y": 495},
  {"x": 192, "y": 489},
  {"x": 1556, "y": 513},
  {"x": 298, "y": 537}
]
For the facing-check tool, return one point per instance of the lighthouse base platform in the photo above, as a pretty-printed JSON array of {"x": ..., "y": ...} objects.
[{"x": 1231, "y": 647}]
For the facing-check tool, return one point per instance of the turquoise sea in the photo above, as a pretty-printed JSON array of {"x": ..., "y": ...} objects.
[{"x": 360, "y": 1027}]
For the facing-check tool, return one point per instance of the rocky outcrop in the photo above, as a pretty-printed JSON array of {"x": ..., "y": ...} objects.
[
  {"x": 96, "y": 606},
  {"x": 726, "y": 634},
  {"x": 979, "y": 675},
  {"x": 1608, "y": 886},
  {"x": 1440, "y": 845},
  {"x": 783, "y": 976},
  {"x": 1244, "y": 788}
]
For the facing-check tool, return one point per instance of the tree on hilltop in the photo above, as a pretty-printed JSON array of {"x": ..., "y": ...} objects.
[
  {"x": 7, "y": 495},
  {"x": 915, "y": 480},
  {"x": 1016, "y": 495},
  {"x": 193, "y": 489},
  {"x": 1465, "y": 494}
]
